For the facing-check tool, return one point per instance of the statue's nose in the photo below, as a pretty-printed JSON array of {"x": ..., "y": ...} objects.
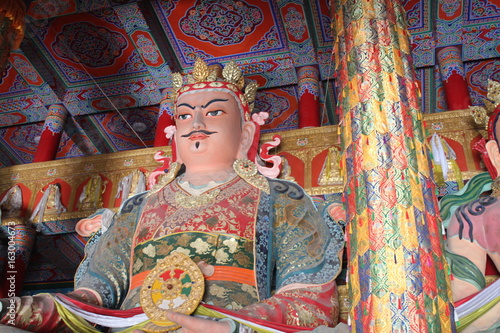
[{"x": 198, "y": 121}]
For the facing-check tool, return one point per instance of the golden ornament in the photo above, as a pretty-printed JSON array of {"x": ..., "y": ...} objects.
[{"x": 175, "y": 284}]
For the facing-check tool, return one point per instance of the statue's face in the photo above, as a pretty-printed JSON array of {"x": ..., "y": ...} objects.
[{"x": 209, "y": 130}]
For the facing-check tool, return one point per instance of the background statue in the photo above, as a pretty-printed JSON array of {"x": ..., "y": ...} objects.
[
  {"x": 131, "y": 184},
  {"x": 91, "y": 196},
  {"x": 11, "y": 203},
  {"x": 473, "y": 235},
  {"x": 50, "y": 203}
]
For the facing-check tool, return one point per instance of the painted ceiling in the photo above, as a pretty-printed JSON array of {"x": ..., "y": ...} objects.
[{"x": 108, "y": 62}]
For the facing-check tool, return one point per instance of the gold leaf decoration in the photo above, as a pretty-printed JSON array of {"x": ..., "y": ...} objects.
[
  {"x": 200, "y": 71},
  {"x": 231, "y": 73},
  {"x": 251, "y": 90},
  {"x": 176, "y": 81}
]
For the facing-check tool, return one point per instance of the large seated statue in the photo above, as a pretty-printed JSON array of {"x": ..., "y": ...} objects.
[
  {"x": 473, "y": 235},
  {"x": 265, "y": 250}
]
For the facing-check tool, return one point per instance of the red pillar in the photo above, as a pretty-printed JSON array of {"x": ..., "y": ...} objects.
[
  {"x": 51, "y": 133},
  {"x": 19, "y": 247},
  {"x": 309, "y": 115},
  {"x": 453, "y": 76},
  {"x": 165, "y": 118}
]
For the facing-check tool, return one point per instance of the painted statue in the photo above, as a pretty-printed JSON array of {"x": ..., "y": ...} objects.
[
  {"x": 12, "y": 202},
  {"x": 264, "y": 248},
  {"x": 473, "y": 234},
  {"x": 91, "y": 196},
  {"x": 131, "y": 184},
  {"x": 50, "y": 203}
]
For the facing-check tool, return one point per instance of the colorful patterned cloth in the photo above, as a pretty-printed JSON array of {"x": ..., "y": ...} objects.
[{"x": 397, "y": 275}]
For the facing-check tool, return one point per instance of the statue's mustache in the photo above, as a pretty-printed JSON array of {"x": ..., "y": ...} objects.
[{"x": 197, "y": 131}]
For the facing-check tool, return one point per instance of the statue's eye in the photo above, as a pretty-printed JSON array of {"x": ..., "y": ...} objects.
[
  {"x": 214, "y": 113},
  {"x": 184, "y": 116}
]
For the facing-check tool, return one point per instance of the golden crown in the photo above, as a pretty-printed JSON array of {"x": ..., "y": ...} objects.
[{"x": 231, "y": 73}]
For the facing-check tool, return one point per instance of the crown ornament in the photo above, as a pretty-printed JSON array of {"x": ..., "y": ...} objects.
[{"x": 203, "y": 73}]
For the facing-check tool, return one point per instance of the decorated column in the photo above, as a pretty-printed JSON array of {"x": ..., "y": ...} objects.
[
  {"x": 397, "y": 278},
  {"x": 165, "y": 119},
  {"x": 20, "y": 239},
  {"x": 453, "y": 77},
  {"x": 309, "y": 115},
  {"x": 51, "y": 133}
]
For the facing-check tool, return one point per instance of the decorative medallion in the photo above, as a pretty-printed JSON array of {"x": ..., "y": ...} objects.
[
  {"x": 295, "y": 23},
  {"x": 221, "y": 22},
  {"x": 175, "y": 284},
  {"x": 302, "y": 142},
  {"x": 82, "y": 42},
  {"x": 247, "y": 170}
]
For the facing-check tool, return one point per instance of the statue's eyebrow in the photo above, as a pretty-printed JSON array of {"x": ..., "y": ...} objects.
[
  {"x": 186, "y": 104},
  {"x": 204, "y": 106},
  {"x": 213, "y": 101}
]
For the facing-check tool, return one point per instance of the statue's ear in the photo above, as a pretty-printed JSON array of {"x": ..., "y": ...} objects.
[
  {"x": 494, "y": 154},
  {"x": 247, "y": 134},
  {"x": 175, "y": 154}
]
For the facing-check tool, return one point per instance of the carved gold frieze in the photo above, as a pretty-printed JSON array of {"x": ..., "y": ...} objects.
[
  {"x": 307, "y": 145},
  {"x": 74, "y": 173}
]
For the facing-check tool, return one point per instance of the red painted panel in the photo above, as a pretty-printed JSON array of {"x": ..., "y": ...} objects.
[
  {"x": 184, "y": 9},
  {"x": 41, "y": 9},
  {"x": 295, "y": 23},
  {"x": 55, "y": 38},
  {"x": 150, "y": 53},
  {"x": 25, "y": 69}
]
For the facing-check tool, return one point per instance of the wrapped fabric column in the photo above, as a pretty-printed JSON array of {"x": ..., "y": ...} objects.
[
  {"x": 398, "y": 278},
  {"x": 309, "y": 115},
  {"x": 453, "y": 76},
  {"x": 51, "y": 133}
]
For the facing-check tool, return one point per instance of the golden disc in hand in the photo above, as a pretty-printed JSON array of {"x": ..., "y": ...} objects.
[{"x": 175, "y": 284}]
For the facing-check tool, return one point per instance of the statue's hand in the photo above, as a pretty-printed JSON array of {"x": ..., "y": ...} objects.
[
  {"x": 86, "y": 227},
  {"x": 206, "y": 269},
  {"x": 196, "y": 325}
]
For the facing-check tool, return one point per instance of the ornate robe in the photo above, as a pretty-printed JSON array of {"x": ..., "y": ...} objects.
[{"x": 274, "y": 254}]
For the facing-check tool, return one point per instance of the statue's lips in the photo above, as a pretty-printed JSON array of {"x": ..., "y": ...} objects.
[{"x": 198, "y": 136}]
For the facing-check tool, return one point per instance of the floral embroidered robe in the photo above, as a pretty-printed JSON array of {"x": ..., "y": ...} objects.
[{"x": 275, "y": 255}]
